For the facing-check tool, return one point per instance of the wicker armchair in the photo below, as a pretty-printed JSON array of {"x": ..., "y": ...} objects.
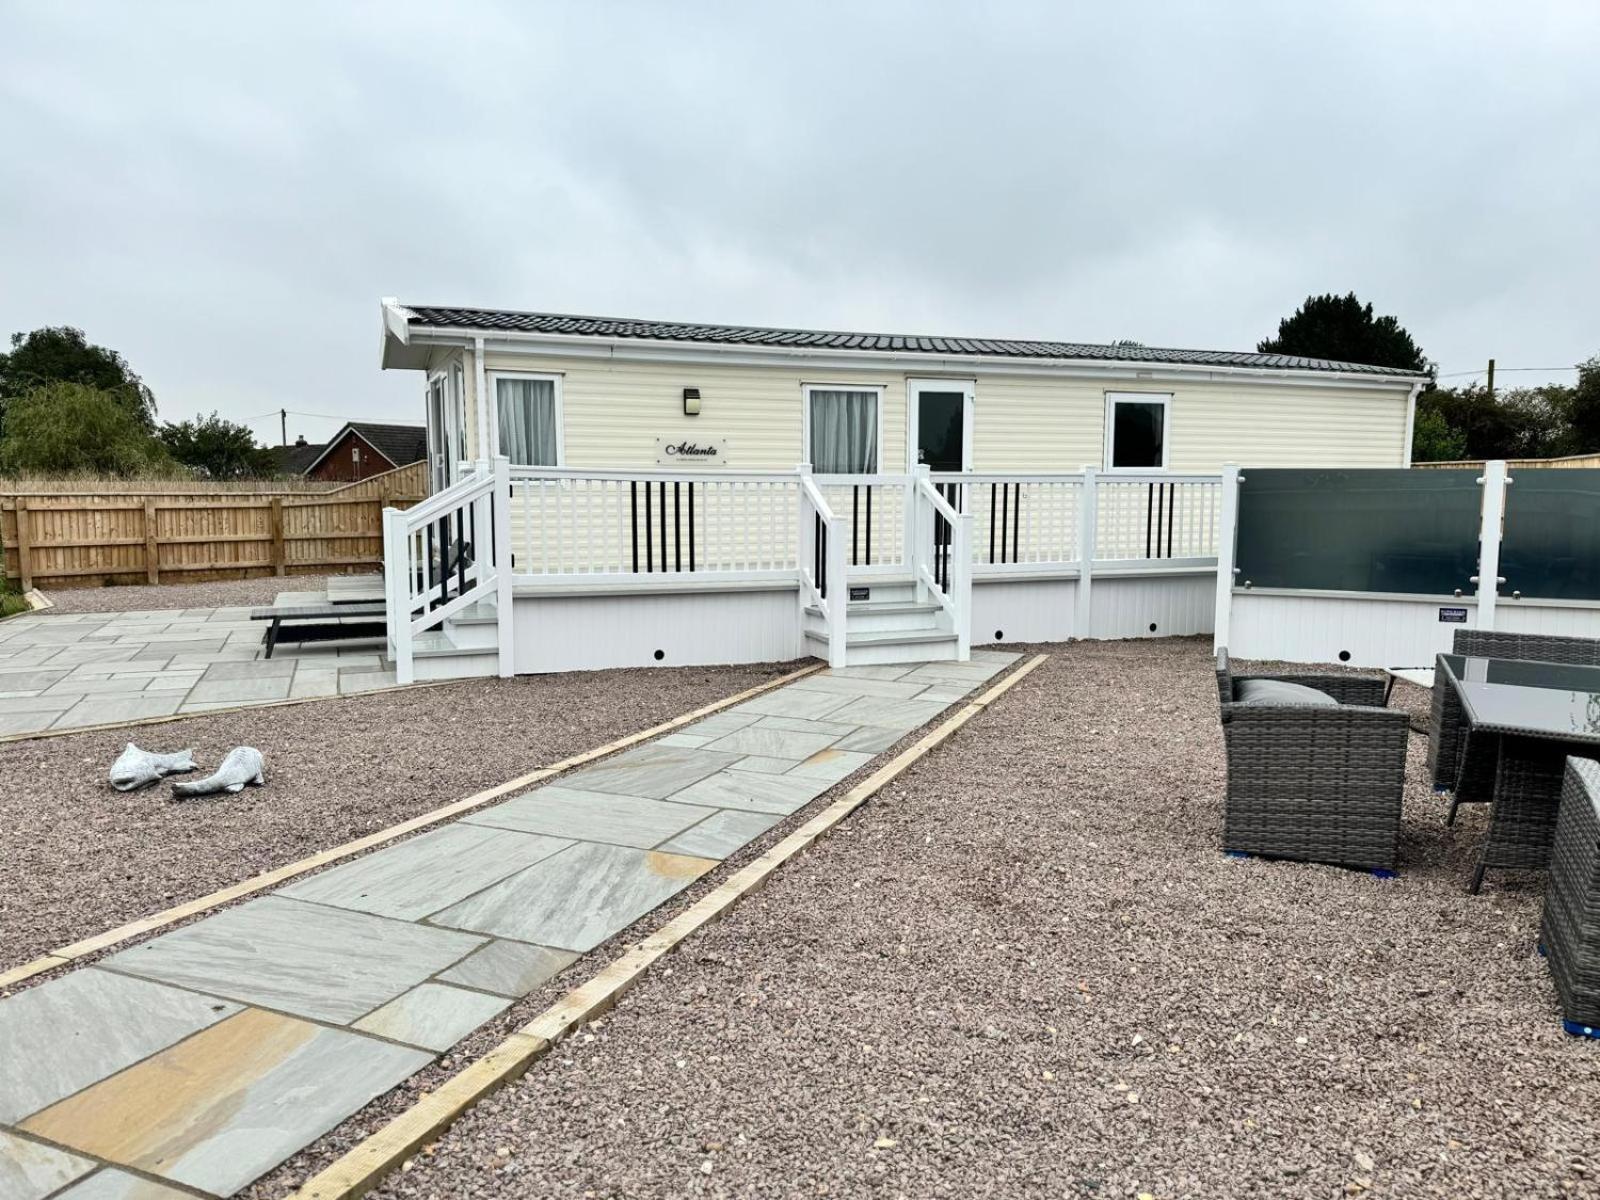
[
  {"x": 1470, "y": 777},
  {"x": 1314, "y": 784},
  {"x": 1571, "y": 927}
]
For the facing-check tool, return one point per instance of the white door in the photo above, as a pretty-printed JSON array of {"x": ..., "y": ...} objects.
[
  {"x": 438, "y": 436},
  {"x": 940, "y": 424}
]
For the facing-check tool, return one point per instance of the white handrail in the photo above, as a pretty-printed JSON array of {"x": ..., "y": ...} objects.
[
  {"x": 419, "y": 573},
  {"x": 940, "y": 504},
  {"x": 669, "y": 474}
]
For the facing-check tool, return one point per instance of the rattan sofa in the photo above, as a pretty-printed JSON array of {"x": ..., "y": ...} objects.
[
  {"x": 1470, "y": 778},
  {"x": 1571, "y": 928},
  {"x": 1314, "y": 784}
]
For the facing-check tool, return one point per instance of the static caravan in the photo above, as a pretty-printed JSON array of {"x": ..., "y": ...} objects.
[{"x": 684, "y": 493}]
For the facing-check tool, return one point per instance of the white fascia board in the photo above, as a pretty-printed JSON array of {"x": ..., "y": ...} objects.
[
  {"x": 395, "y": 348},
  {"x": 704, "y": 353}
]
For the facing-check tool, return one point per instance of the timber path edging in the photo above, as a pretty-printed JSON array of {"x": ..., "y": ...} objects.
[{"x": 366, "y": 1164}]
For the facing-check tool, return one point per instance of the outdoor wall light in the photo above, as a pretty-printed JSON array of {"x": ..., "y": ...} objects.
[{"x": 691, "y": 402}]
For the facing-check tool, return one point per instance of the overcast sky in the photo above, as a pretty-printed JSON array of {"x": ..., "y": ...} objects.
[{"x": 222, "y": 191}]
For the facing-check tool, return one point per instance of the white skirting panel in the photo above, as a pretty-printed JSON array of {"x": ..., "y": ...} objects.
[
  {"x": 1135, "y": 606},
  {"x": 594, "y": 632},
  {"x": 1361, "y": 631},
  {"x": 1023, "y": 610}
]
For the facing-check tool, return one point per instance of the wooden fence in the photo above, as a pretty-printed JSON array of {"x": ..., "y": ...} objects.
[
  {"x": 90, "y": 539},
  {"x": 1476, "y": 464}
]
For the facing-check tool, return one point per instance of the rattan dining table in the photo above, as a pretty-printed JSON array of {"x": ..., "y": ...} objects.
[{"x": 1523, "y": 719}]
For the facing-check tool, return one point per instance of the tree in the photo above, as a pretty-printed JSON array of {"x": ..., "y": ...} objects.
[
  {"x": 1434, "y": 439},
  {"x": 61, "y": 354},
  {"x": 1581, "y": 410},
  {"x": 217, "y": 448},
  {"x": 70, "y": 427},
  {"x": 1343, "y": 329}
]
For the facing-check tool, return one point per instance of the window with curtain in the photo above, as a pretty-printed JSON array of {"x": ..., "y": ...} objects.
[
  {"x": 528, "y": 427},
  {"x": 844, "y": 431}
]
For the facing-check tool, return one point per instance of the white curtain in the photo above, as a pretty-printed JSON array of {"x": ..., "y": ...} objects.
[
  {"x": 527, "y": 410},
  {"x": 844, "y": 432}
]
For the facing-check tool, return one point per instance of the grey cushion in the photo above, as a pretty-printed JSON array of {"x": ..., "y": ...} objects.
[{"x": 1277, "y": 691}]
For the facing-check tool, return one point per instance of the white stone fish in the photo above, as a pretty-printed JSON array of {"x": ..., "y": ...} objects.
[
  {"x": 135, "y": 768},
  {"x": 243, "y": 765}
]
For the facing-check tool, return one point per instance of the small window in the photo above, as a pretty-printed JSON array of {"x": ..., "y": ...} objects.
[
  {"x": 842, "y": 430},
  {"x": 530, "y": 420},
  {"x": 458, "y": 387},
  {"x": 1136, "y": 431}
]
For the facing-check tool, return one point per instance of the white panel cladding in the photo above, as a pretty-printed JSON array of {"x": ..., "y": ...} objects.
[
  {"x": 1558, "y": 620},
  {"x": 1023, "y": 610},
  {"x": 591, "y": 632},
  {"x": 1128, "y": 606},
  {"x": 617, "y": 409},
  {"x": 1376, "y": 631}
]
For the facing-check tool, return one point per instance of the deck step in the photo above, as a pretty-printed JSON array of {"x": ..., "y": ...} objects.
[{"x": 436, "y": 655}]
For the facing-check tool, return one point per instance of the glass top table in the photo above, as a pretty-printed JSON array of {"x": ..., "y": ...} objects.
[
  {"x": 1522, "y": 720},
  {"x": 1535, "y": 699}
]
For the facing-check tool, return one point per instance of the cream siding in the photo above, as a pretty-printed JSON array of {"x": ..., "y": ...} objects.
[{"x": 614, "y": 412}]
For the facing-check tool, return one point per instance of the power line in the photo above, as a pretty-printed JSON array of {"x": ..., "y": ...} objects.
[{"x": 1500, "y": 370}]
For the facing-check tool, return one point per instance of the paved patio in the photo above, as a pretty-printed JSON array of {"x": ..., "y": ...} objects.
[
  {"x": 69, "y": 670},
  {"x": 286, "y": 1014}
]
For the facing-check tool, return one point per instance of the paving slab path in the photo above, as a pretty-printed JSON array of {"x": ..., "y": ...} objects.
[
  {"x": 73, "y": 670},
  {"x": 205, "y": 1057}
]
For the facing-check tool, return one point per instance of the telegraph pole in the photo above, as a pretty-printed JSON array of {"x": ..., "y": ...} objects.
[
  {"x": 1491, "y": 379},
  {"x": 283, "y": 413}
]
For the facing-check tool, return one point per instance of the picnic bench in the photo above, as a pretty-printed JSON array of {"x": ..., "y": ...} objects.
[{"x": 323, "y": 621}]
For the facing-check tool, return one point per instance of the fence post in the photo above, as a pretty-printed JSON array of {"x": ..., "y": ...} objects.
[
  {"x": 152, "y": 549},
  {"x": 961, "y": 583},
  {"x": 922, "y": 532},
  {"x": 279, "y": 557},
  {"x": 1088, "y": 525},
  {"x": 1494, "y": 481},
  {"x": 1227, "y": 534},
  {"x": 838, "y": 595},
  {"x": 500, "y": 520},
  {"x": 397, "y": 592},
  {"x": 805, "y": 532},
  {"x": 24, "y": 544}
]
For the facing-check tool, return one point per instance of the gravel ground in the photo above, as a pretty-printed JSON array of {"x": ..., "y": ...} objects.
[
  {"x": 1026, "y": 969},
  {"x": 78, "y": 858},
  {"x": 222, "y": 593}
]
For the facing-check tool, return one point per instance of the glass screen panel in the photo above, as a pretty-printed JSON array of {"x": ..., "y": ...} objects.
[
  {"x": 940, "y": 417},
  {"x": 1359, "y": 531},
  {"x": 1551, "y": 545}
]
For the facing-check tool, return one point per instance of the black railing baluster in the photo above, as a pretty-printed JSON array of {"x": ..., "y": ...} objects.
[
  {"x": 1161, "y": 504},
  {"x": 677, "y": 528},
  {"x": 1149, "y": 515},
  {"x": 869, "y": 524},
  {"x": 994, "y": 493},
  {"x": 691, "y": 525},
  {"x": 461, "y": 557},
  {"x": 1172, "y": 514},
  {"x": 663, "y": 525},
  {"x": 855, "y": 524},
  {"x": 1016, "y": 522},
  {"x": 633, "y": 521},
  {"x": 1005, "y": 514},
  {"x": 649, "y": 551}
]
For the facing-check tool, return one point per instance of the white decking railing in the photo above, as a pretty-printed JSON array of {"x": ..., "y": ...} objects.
[
  {"x": 574, "y": 528},
  {"x": 445, "y": 555}
]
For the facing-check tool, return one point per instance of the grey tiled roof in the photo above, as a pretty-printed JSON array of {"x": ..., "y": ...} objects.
[
  {"x": 400, "y": 444},
  {"x": 489, "y": 320}
]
